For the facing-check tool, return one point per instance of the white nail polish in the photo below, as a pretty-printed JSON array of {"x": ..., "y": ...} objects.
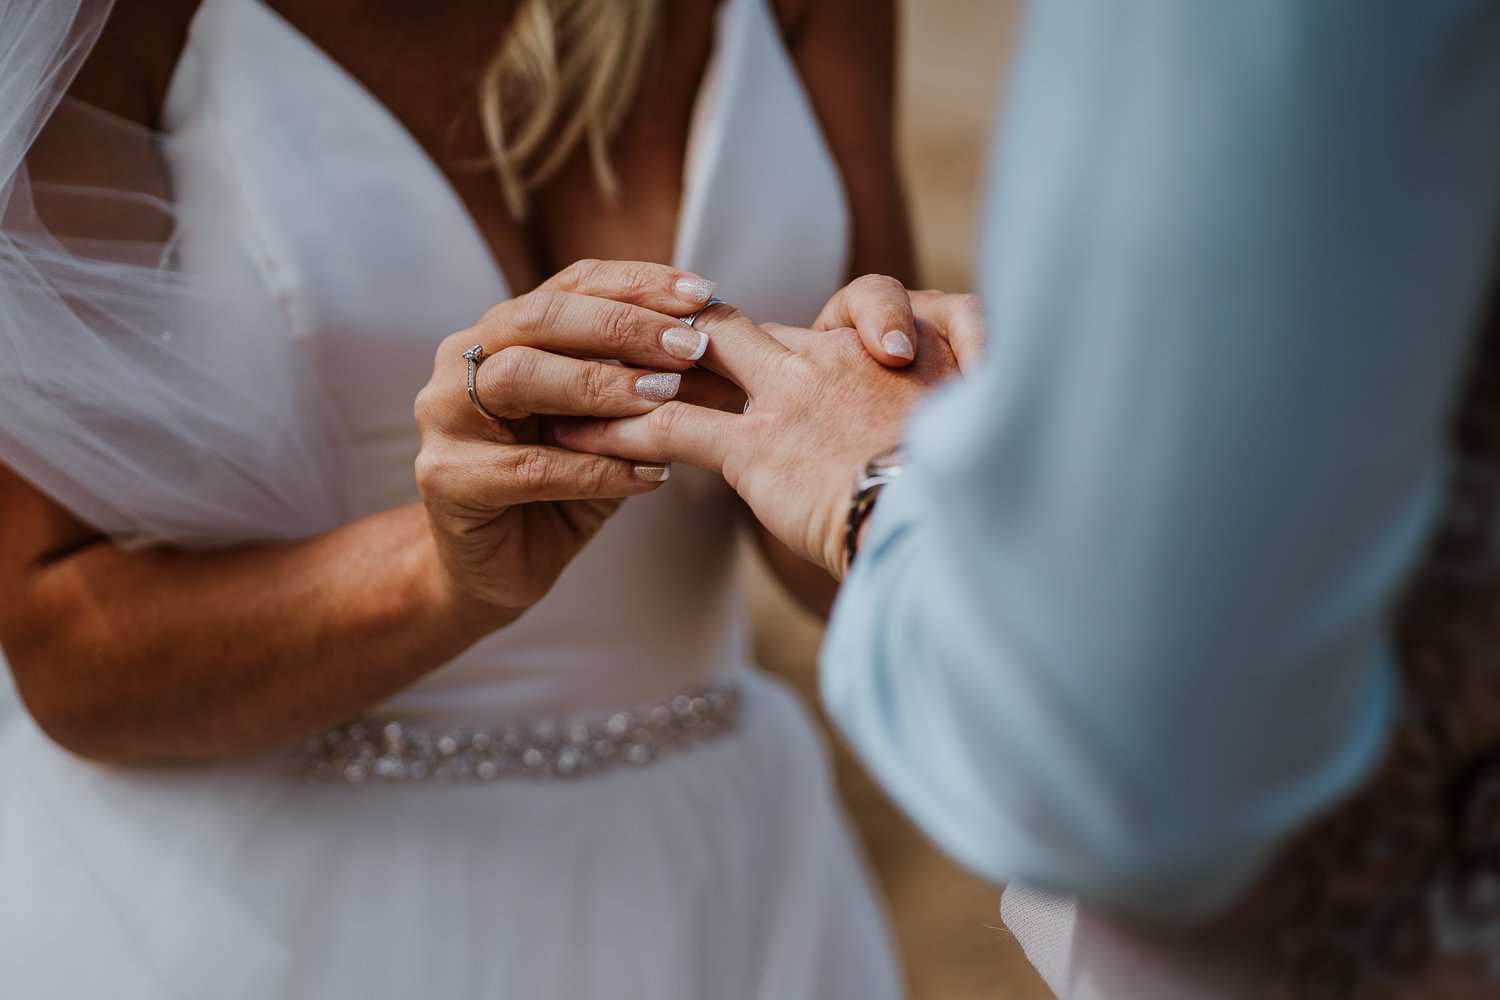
[
  {"x": 898, "y": 345},
  {"x": 685, "y": 343},
  {"x": 651, "y": 473},
  {"x": 695, "y": 289}
]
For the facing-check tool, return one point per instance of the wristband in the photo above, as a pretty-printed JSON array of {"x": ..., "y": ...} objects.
[{"x": 882, "y": 470}]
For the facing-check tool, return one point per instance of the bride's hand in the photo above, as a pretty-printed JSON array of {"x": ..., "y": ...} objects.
[
  {"x": 819, "y": 410},
  {"x": 887, "y": 315},
  {"x": 508, "y": 512}
]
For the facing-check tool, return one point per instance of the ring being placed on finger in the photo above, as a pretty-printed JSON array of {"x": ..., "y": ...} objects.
[
  {"x": 475, "y": 357},
  {"x": 690, "y": 320}
]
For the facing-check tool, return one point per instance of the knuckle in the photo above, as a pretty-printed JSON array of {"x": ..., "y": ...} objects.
[
  {"x": 618, "y": 332},
  {"x": 525, "y": 312},
  {"x": 969, "y": 302},
  {"x": 844, "y": 342},
  {"x": 880, "y": 284},
  {"x": 595, "y": 382},
  {"x": 597, "y": 476},
  {"x": 846, "y": 336},
  {"x": 537, "y": 310},
  {"x": 424, "y": 408},
  {"x": 581, "y": 272},
  {"x": 665, "y": 422},
  {"x": 505, "y": 372},
  {"x": 641, "y": 278},
  {"x": 496, "y": 322},
  {"x": 495, "y": 314},
  {"x": 809, "y": 377},
  {"x": 431, "y": 469},
  {"x": 532, "y": 469}
]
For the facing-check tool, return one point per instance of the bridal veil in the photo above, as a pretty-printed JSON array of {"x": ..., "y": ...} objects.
[{"x": 148, "y": 381}]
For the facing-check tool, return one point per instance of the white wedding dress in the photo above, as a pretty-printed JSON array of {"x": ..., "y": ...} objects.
[{"x": 724, "y": 871}]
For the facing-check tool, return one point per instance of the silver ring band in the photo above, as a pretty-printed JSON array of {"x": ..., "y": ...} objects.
[
  {"x": 475, "y": 356},
  {"x": 690, "y": 320}
]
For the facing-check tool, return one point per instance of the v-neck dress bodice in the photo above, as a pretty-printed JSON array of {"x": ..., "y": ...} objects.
[
  {"x": 724, "y": 870},
  {"x": 374, "y": 260}
]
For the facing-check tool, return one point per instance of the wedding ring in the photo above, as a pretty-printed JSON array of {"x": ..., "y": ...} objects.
[
  {"x": 690, "y": 320},
  {"x": 475, "y": 356}
]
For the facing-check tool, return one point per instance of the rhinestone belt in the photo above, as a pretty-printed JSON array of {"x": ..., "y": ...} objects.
[{"x": 394, "y": 752}]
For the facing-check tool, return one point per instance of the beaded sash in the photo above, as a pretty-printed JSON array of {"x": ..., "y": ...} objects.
[{"x": 395, "y": 752}]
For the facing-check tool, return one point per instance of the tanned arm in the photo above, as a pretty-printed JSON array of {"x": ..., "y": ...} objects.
[{"x": 125, "y": 656}]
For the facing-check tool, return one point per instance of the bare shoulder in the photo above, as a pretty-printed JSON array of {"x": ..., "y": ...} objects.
[{"x": 129, "y": 68}]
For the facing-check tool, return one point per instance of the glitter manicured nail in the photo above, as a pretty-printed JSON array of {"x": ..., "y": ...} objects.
[
  {"x": 659, "y": 386},
  {"x": 652, "y": 473},
  {"x": 695, "y": 289},
  {"x": 898, "y": 345},
  {"x": 685, "y": 343}
]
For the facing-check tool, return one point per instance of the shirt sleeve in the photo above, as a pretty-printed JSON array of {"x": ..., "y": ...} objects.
[{"x": 1121, "y": 627}]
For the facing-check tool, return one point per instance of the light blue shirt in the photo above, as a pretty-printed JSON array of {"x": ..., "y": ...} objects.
[{"x": 1123, "y": 626}]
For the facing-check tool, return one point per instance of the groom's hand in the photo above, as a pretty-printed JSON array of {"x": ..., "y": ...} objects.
[
  {"x": 819, "y": 409},
  {"x": 888, "y": 316}
]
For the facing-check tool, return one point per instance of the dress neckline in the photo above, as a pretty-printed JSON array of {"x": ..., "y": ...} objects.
[
  {"x": 397, "y": 131},
  {"x": 758, "y": 176}
]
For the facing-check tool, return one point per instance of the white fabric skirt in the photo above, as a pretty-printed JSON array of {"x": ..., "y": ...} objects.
[{"x": 725, "y": 872}]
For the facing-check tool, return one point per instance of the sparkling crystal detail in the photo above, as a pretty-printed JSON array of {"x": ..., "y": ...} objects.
[{"x": 390, "y": 751}]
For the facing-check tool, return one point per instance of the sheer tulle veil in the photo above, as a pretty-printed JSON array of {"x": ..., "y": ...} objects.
[{"x": 148, "y": 381}]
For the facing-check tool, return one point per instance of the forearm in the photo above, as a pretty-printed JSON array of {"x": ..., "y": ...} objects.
[
  {"x": 845, "y": 52},
  {"x": 168, "y": 654},
  {"x": 1203, "y": 455},
  {"x": 1075, "y": 716}
]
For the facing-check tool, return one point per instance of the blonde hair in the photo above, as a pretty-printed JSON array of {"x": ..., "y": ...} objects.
[{"x": 566, "y": 72}]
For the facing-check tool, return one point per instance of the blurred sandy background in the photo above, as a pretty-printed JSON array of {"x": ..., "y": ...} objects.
[{"x": 953, "y": 944}]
